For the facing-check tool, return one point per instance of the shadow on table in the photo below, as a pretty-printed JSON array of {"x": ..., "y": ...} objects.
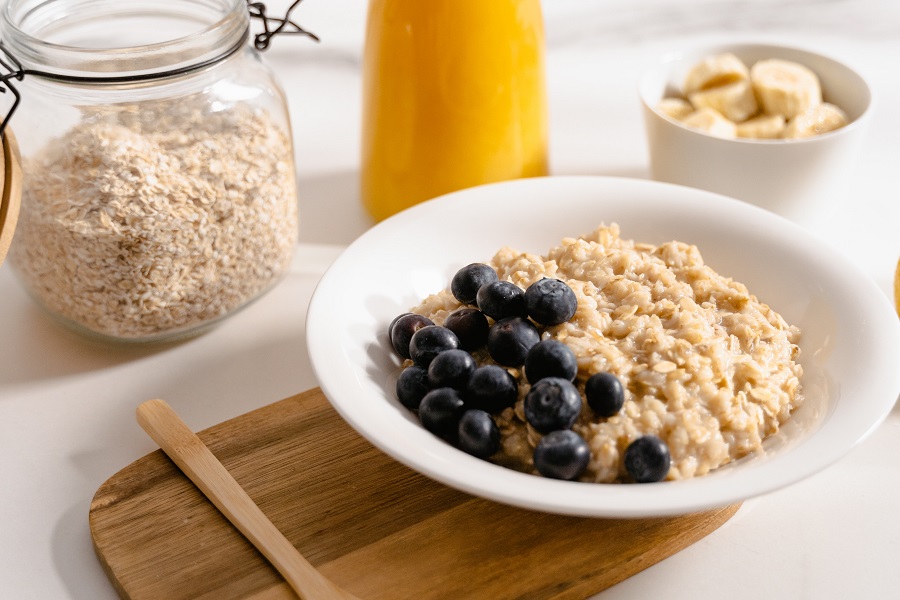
[
  {"x": 75, "y": 560},
  {"x": 330, "y": 209},
  {"x": 35, "y": 347},
  {"x": 226, "y": 386}
]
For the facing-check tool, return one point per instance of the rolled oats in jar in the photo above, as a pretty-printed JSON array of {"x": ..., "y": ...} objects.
[{"x": 159, "y": 192}]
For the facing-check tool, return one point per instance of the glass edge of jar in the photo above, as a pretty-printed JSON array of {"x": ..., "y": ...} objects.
[{"x": 225, "y": 33}]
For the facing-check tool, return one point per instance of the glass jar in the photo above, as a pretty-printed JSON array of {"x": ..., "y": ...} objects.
[
  {"x": 453, "y": 96},
  {"x": 159, "y": 191}
]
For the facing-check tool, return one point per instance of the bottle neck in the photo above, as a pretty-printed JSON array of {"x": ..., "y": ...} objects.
[{"x": 121, "y": 40}]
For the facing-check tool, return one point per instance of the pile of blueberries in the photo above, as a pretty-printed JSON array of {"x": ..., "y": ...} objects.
[{"x": 455, "y": 398}]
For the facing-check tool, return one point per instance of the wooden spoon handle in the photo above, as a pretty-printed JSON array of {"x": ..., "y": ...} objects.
[{"x": 192, "y": 456}]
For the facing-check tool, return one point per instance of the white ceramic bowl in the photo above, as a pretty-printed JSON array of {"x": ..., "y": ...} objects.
[
  {"x": 801, "y": 179},
  {"x": 850, "y": 344}
]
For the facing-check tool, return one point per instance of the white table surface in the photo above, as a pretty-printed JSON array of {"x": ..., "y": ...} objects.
[{"x": 67, "y": 404}]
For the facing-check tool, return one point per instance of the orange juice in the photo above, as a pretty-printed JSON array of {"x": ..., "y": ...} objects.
[{"x": 453, "y": 96}]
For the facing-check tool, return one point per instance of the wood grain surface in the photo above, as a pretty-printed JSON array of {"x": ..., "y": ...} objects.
[
  {"x": 11, "y": 194},
  {"x": 375, "y": 527}
]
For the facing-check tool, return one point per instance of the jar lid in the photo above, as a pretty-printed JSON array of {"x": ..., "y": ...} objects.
[{"x": 11, "y": 197}]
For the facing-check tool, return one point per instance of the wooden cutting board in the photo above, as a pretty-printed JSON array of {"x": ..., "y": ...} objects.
[{"x": 377, "y": 528}]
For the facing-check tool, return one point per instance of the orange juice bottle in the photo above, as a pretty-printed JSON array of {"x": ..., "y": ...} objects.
[{"x": 453, "y": 96}]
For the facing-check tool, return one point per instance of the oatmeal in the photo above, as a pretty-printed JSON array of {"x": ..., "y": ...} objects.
[
  {"x": 706, "y": 367},
  {"x": 157, "y": 217}
]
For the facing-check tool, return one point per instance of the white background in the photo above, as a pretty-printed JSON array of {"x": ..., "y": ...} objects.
[{"x": 67, "y": 405}]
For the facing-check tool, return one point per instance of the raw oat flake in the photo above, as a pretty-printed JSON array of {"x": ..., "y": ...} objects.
[{"x": 146, "y": 221}]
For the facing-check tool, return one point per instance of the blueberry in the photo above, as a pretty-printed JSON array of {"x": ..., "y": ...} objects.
[
  {"x": 605, "y": 394},
  {"x": 451, "y": 368},
  {"x": 478, "y": 434},
  {"x": 402, "y": 330},
  {"x": 412, "y": 385},
  {"x": 509, "y": 340},
  {"x": 552, "y": 403},
  {"x": 550, "y": 358},
  {"x": 647, "y": 459},
  {"x": 428, "y": 342},
  {"x": 491, "y": 388},
  {"x": 468, "y": 281},
  {"x": 562, "y": 454},
  {"x": 394, "y": 322},
  {"x": 440, "y": 411},
  {"x": 501, "y": 299},
  {"x": 550, "y": 301},
  {"x": 470, "y": 326}
]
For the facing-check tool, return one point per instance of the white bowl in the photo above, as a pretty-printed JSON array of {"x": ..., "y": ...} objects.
[
  {"x": 801, "y": 179},
  {"x": 850, "y": 345}
]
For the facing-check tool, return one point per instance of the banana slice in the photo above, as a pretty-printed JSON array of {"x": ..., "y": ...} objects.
[
  {"x": 712, "y": 122},
  {"x": 816, "y": 121},
  {"x": 714, "y": 71},
  {"x": 676, "y": 108},
  {"x": 784, "y": 87},
  {"x": 763, "y": 127},
  {"x": 735, "y": 101}
]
